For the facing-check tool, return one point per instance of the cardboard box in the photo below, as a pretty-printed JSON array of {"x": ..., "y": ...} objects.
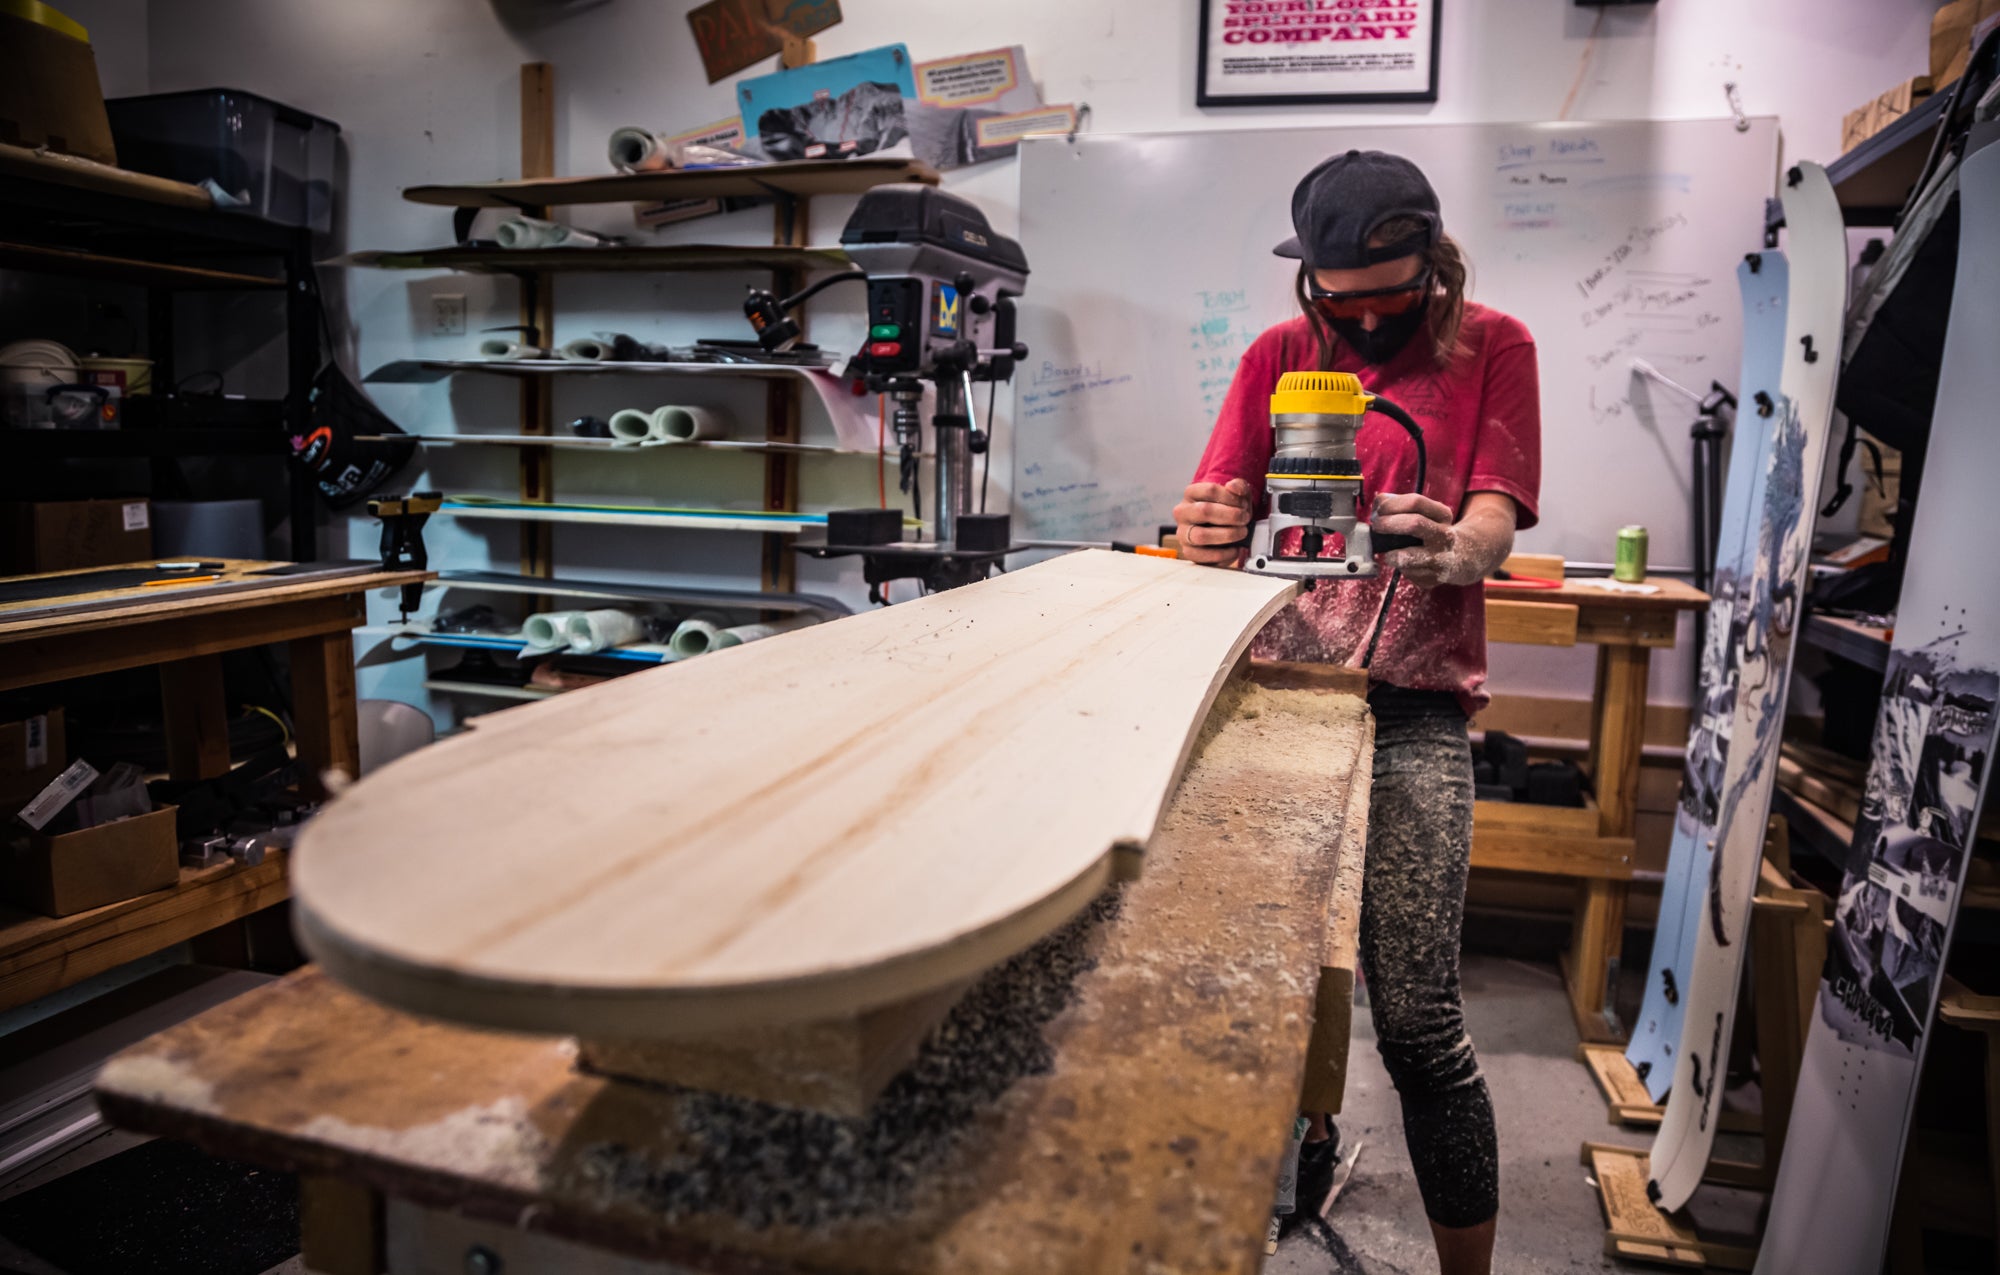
[
  {"x": 49, "y": 94},
  {"x": 77, "y": 871},
  {"x": 32, "y": 752},
  {"x": 67, "y": 535},
  {"x": 1863, "y": 122},
  {"x": 1954, "y": 30}
]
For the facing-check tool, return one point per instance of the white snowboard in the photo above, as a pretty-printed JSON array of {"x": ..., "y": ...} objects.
[
  {"x": 1766, "y": 617},
  {"x": 1762, "y": 281},
  {"x": 1932, "y": 764}
]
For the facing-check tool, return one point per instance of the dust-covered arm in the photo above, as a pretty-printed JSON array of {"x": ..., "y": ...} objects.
[{"x": 1462, "y": 552}]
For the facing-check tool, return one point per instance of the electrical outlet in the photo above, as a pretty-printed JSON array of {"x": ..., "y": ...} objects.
[{"x": 448, "y": 314}]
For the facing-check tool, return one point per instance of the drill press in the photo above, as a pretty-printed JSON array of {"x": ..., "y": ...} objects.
[
  {"x": 1314, "y": 479},
  {"x": 941, "y": 288}
]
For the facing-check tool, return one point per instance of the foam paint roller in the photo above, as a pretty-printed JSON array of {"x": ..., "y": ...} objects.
[
  {"x": 671, "y": 424},
  {"x": 737, "y": 635},
  {"x": 509, "y": 350},
  {"x": 533, "y": 232},
  {"x": 696, "y": 635},
  {"x": 586, "y": 349},
  {"x": 639, "y": 150},
  {"x": 630, "y": 425},
  {"x": 547, "y": 631},
  {"x": 593, "y": 631}
]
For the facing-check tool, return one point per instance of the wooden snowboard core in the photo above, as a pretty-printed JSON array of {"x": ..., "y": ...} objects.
[{"x": 794, "y": 830}]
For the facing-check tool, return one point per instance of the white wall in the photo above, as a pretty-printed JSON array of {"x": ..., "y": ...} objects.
[
  {"x": 427, "y": 92},
  {"x": 118, "y": 39}
]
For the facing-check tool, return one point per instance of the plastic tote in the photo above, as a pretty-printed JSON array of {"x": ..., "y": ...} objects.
[{"x": 264, "y": 158}]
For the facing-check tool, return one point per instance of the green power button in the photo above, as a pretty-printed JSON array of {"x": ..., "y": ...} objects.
[{"x": 884, "y": 332}]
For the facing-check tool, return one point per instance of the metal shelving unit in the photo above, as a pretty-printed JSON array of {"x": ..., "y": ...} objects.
[{"x": 70, "y": 217}]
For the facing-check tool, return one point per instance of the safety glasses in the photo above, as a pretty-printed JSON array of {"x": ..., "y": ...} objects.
[{"x": 1381, "y": 302}]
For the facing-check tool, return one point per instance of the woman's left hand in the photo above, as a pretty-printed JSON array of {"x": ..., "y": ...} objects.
[
  {"x": 1462, "y": 552},
  {"x": 1437, "y": 559}
]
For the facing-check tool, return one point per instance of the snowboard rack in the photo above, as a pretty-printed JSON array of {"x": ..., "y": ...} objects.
[{"x": 1788, "y": 945}]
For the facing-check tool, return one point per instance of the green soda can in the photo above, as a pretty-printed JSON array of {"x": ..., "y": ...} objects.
[{"x": 1629, "y": 563}]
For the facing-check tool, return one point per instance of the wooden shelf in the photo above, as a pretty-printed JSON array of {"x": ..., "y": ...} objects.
[
  {"x": 1873, "y": 181},
  {"x": 426, "y": 371},
  {"x": 798, "y": 179},
  {"x": 687, "y": 520},
  {"x": 1864, "y": 644},
  {"x": 636, "y": 653},
  {"x": 41, "y": 954},
  {"x": 491, "y": 690},
  {"x": 746, "y": 600},
  {"x": 88, "y": 174},
  {"x": 93, "y": 265},
  {"x": 1553, "y": 840},
  {"x": 660, "y": 257},
  {"x": 572, "y": 443}
]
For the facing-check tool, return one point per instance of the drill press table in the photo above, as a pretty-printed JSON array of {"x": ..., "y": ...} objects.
[{"x": 1145, "y": 1136}]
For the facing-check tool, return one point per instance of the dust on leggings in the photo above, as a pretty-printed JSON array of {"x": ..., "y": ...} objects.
[{"x": 1413, "y": 904}]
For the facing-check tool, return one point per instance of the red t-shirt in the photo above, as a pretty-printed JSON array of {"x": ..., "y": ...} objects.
[{"x": 1482, "y": 426}]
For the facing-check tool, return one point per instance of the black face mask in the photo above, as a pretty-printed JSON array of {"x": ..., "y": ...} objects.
[{"x": 1391, "y": 334}]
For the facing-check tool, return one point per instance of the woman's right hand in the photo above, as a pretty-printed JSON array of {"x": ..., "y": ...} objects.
[{"x": 1212, "y": 515}]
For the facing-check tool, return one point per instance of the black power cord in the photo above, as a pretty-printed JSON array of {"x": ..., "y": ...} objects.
[{"x": 1416, "y": 434}]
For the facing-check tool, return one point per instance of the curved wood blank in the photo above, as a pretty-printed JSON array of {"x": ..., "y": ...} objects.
[{"x": 793, "y": 829}]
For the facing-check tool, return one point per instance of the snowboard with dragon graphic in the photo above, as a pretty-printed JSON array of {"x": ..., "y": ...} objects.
[
  {"x": 1763, "y": 621},
  {"x": 1762, "y": 280}
]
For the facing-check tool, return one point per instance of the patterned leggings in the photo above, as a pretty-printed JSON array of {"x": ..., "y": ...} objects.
[{"x": 1413, "y": 903}]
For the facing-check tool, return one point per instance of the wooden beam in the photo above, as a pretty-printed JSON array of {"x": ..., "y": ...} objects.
[
  {"x": 340, "y": 1226},
  {"x": 196, "y": 718},
  {"x": 1531, "y": 623},
  {"x": 838, "y": 1066},
  {"x": 324, "y": 717},
  {"x": 537, "y": 464},
  {"x": 33, "y": 661}
]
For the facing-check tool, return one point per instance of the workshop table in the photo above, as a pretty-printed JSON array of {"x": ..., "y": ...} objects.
[
  {"x": 1148, "y": 1138},
  {"x": 1595, "y": 843},
  {"x": 185, "y": 629}
]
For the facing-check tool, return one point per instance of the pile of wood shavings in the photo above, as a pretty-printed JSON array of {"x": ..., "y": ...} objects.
[{"x": 766, "y": 1165}]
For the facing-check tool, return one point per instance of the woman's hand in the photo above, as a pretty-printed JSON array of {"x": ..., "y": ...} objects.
[
  {"x": 1212, "y": 515},
  {"x": 1458, "y": 553}
]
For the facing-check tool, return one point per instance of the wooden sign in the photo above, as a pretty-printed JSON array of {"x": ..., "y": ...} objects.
[
  {"x": 734, "y": 34},
  {"x": 803, "y": 17}
]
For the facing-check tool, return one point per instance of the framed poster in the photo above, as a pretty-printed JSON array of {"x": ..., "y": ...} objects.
[{"x": 1305, "y": 52}]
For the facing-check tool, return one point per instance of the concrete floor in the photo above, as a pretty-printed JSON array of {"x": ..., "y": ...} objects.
[{"x": 1547, "y": 1107}]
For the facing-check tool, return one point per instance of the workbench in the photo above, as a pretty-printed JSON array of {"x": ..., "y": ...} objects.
[
  {"x": 1137, "y": 1124},
  {"x": 1593, "y": 844},
  {"x": 184, "y": 629}
]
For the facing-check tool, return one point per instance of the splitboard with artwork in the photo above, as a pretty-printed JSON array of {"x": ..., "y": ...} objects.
[
  {"x": 1931, "y": 769},
  {"x": 1762, "y": 627},
  {"x": 1762, "y": 280}
]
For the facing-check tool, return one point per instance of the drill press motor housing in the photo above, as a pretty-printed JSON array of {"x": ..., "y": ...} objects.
[{"x": 1314, "y": 479}]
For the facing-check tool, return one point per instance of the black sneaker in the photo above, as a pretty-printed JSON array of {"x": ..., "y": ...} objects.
[{"x": 1317, "y": 1163}]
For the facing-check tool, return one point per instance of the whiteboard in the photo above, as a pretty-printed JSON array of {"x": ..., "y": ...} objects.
[{"x": 1152, "y": 272}]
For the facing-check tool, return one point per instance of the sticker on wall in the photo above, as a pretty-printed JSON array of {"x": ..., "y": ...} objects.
[
  {"x": 1256, "y": 53},
  {"x": 977, "y": 107},
  {"x": 838, "y": 109}
]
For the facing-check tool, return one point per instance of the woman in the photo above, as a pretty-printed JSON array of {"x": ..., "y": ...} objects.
[{"x": 1381, "y": 290}]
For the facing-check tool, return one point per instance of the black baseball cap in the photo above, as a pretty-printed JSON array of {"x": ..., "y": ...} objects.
[{"x": 1338, "y": 205}]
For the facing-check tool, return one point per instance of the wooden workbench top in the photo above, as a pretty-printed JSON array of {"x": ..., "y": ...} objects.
[
  {"x": 1144, "y": 1135},
  {"x": 1672, "y": 595},
  {"x": 235, "y": 591}
]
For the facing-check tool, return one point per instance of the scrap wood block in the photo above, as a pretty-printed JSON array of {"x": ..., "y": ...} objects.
[
  {"x": 839, "y": 1066},
  {"x": 1625, "y": 1096},
  {"x": 1634, "y": 1227}
]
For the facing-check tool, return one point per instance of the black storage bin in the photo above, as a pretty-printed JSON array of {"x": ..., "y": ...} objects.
[{"x": 274, "y": 158}]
